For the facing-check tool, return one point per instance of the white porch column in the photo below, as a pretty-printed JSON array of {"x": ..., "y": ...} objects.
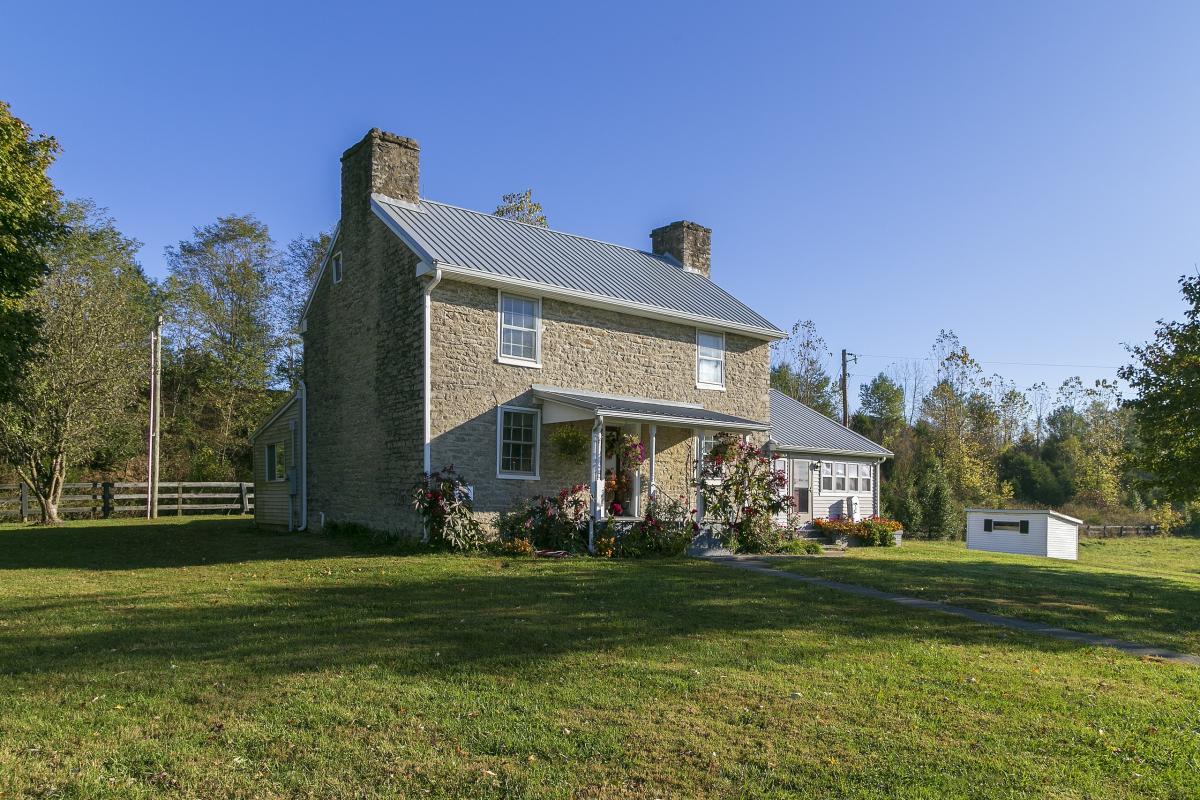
[
  {"x": 653, "y": 448},
  {"x": 699, "y": 471},
  {"x": 597, "y": 480}
]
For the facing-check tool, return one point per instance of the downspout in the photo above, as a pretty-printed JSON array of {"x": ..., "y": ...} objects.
[
  {"x": 426, "y": 454},
  {"x": 428, "y": 292},
  {"x": 303, "y": 458}
]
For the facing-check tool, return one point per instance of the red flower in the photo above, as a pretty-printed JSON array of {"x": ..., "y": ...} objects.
[{"x": 616, "y": 509}]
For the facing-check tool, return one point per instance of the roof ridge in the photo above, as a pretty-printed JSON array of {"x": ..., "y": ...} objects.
[{"x": 547, "y": 229}]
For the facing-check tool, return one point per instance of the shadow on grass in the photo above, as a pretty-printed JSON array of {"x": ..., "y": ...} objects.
[
  {"x": 196, "y": 541},
  {"x": 450, "y": 617},
  {"x": 1137, "y": 607}
]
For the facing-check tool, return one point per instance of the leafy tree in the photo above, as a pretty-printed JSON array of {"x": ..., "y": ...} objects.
[
  {"x": 298, "y": 271},
  {"x": 223, "y": 343},
  {"x": 1165, "y": 373},
  {"x": 799, "y": 370},
  {"x": 30, "y": 224},
  {"x": 521, "y": 207},
  {"x": 880, "y": 414},
  {"x": 77, "y": 393},
  {"x": 1032, "y": 479}
]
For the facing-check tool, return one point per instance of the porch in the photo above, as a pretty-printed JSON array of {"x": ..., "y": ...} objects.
[{"x": 615, "y": 484}]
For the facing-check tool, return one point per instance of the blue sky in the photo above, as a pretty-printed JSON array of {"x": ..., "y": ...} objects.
[{"x": 1026, "y": 174}]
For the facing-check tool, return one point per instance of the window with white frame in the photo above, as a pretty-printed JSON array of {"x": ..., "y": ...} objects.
[
  {"x": 827, "y": 475},
  {"x": 847, "y": 476},
  {"x": 839, "y": 476},
  {"x": 335, "y": 267},
  {"x": 517, "y": 440},
  {"x": 866, "y": 474},
  {"x": 710, "y": 359},
  {"x": 275, "y": 462},
  {"x": 520, "y": 322}
]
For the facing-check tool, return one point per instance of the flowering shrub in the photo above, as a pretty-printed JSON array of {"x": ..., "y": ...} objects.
[
  {"x": 665, "y": 529},
  {"x": 516, "y": 547},
  {"x": 443, "y": 500},
  {"x": 557, "y": 522},
  {"x": 741, "y": 490},
  {"x": 873, "y": 531}
]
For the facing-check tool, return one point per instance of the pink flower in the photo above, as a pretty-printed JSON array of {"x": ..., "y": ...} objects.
[{"x": 616, "y": 509}]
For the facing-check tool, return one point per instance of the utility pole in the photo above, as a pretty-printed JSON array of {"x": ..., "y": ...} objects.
[
  {"x": 845, "y": 399},
  {"x": 846, "y": 386},
  {"x": 155, "y": 442}
]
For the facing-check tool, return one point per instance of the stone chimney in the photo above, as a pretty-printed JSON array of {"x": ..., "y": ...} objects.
[
  {"x": 686, "y": 242},
  {"x": 382, "y": 163}
]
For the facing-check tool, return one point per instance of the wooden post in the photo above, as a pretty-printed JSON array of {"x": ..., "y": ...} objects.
[
  {"x": 245, "y": 498},
  {"x": 24, "y": 503},
  {"x": 92, "y": 505},
  {"x": 107, "y": 508},
  {"x": 845, "y": 389},
  {"x": 179, "y": 499}
]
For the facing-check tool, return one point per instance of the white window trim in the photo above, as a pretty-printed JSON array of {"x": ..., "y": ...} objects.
[
  {"x": 537, "y": 444},
  {"x": 501, "y": 358},
  {"x": 270, "y": 463},
  {"x": 724, "y": 361},
  {"x": 336, "y": 267}
]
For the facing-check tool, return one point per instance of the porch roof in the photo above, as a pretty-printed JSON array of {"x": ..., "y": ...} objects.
[{"x": 640, "y": 409}]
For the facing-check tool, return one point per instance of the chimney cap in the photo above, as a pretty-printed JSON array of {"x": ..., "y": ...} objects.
[{"x": 379, "y": 135}]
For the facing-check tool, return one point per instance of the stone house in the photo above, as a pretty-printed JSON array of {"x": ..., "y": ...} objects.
[{"x": 523, "y": 356}]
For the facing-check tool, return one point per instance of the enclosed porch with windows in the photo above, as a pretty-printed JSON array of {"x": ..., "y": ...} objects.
[{"x": 637, "y": 447}]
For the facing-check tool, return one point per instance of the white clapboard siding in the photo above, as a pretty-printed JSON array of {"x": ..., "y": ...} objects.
[
  {"x": 275, "y": 505},
  {"x": 1049, "y": 533},
  {"x": 828, "y": 503}
]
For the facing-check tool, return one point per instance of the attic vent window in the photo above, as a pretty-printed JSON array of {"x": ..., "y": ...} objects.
[{"x": 335, "y": 267}]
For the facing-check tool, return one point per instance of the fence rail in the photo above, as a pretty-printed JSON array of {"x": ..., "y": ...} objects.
[
  {"x": 102, "y": 499},
  {"x": 1113, "y": 531}
]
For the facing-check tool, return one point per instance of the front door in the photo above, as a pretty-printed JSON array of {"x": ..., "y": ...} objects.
[{"x": 801, "y": 478}]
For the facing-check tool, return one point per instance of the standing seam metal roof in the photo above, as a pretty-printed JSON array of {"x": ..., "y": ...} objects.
[
  {"x": 491, "y": 245},
  {"x": 637, "y": 408},
  {"x": 795, "y": 426}
]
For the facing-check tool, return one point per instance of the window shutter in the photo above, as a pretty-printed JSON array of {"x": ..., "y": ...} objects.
[
  {"x": 1024, "y": 526},
  {"x": 987, "y": 526}
]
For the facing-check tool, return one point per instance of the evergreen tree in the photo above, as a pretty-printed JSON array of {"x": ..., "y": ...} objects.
[{"x": 521, "y": 207}]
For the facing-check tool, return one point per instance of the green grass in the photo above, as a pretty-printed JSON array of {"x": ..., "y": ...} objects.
[
  {"x": 1145, "y": 590},
  {"x": 206, "y": 660}
]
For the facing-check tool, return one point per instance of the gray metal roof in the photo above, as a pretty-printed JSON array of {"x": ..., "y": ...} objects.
[
  {"x": 504, "y": 249},
  {"x": 685, "y": 414},
  {"x": 795, "y": 426}
]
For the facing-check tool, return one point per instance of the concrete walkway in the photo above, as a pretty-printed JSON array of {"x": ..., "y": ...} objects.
[{"x": 757, "y": 564}]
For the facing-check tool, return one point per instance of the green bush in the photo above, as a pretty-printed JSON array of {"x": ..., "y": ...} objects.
[
  {"x": 665, "y": 529},
  {"x": 801, "y": 547},
  {"x": 559, "y": 522},
  {"x": 443, "y": 499}
]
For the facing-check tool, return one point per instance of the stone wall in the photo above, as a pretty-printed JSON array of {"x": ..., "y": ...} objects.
[
  {"x": 582, "y": 348},
  {"x": 364, "y": 355}
]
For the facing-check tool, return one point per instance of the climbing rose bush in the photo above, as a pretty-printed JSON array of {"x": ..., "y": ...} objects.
[{"x": 743, "y": 492}]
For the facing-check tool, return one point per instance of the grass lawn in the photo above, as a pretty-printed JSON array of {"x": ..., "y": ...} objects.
[
  {"x": 1146, "y": 590},
  {"x": 206, "y": 660}
]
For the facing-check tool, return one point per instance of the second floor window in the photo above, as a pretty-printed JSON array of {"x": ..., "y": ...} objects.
[
  {"x": 710, "y": 359},
  {"x": 519, "y": 325},
  {"x": 335, "y": 267}
]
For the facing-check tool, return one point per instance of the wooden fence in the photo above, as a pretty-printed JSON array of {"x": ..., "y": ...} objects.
[
  {"x": 1112, "y": 531},
  {"x": 101, "y": 499}
]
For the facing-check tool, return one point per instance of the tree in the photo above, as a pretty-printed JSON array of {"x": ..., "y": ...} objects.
[
  {"x": 223, "y": 342},
  {"x": 800, "y": 371},
  {"x": 298, "y": 271},
  {"x": 940, "y": 514},
  {"x": 77, "y": 393},
  {"x": 1032, "y": 480},
  {"x": 880, "y": 414},
  {"x": 30, "y": 223},
  {"x": 521, "y": 207},
  {"x": 1166, "y": 377}
]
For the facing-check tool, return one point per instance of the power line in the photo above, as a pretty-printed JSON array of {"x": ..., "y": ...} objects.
[{"x": 1003, "y": 363}]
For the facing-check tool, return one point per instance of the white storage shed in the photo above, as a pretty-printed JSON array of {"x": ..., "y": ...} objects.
[{"x": 1026, "y": 531}]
